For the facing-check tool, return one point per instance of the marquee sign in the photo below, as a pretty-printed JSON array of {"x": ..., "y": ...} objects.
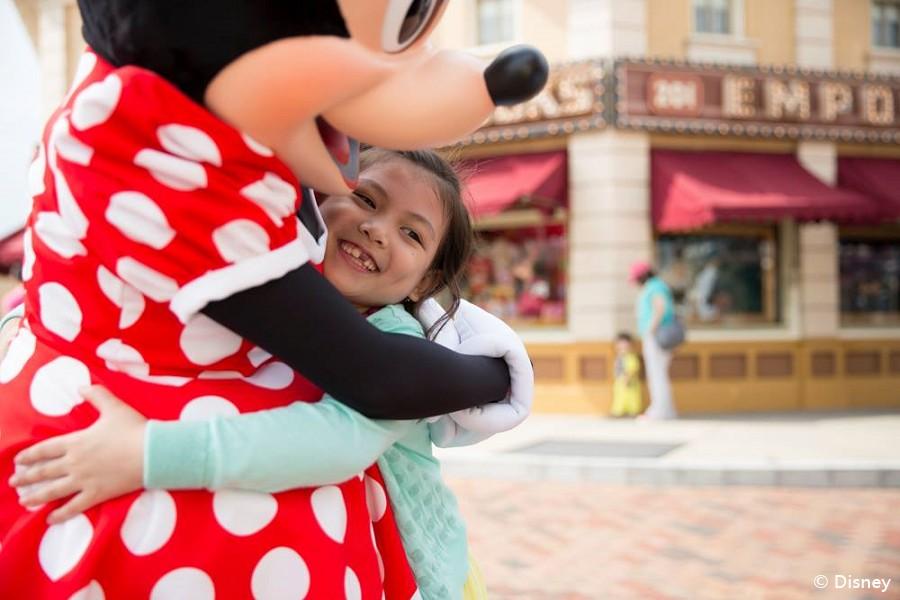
[
  {"x": 777, "y": 102},
  {"x": 573, "y": 100}
]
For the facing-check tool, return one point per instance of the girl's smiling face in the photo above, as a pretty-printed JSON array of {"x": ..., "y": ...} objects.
[{"x": 382, "y": 239}]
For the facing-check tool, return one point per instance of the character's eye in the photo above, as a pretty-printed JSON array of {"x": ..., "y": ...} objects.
[{"x": 404, "y": 22}]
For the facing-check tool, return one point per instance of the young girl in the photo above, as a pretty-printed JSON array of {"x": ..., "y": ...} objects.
[{"x": 403, "y": 236}]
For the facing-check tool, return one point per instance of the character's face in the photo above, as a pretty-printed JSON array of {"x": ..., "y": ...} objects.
[
  {"x": 383, "y": 238},
  {"x": 307, "y": 96},
  {"x": 623, "y": 346}
]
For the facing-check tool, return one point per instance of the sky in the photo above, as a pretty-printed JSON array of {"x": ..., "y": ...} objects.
[{"x": 19, "y": 117}]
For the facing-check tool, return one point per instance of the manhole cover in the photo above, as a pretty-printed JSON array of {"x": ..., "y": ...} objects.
[{"x": 592, "y": 448}]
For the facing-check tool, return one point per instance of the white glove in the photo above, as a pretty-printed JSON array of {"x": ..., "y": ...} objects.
[{"x": 475, "y": 331}]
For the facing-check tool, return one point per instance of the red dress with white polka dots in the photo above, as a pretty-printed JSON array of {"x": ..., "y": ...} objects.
[{"x": 146, "y": 208}]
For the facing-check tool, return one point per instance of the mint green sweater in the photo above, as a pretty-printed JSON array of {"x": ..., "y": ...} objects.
[{"x": 307, "y": 445}]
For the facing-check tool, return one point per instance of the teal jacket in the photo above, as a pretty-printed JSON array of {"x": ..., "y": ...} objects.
[{"x": 335, "y": 443}]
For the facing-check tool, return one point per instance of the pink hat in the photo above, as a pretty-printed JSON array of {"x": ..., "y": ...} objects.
[{"x": 638, "y": 269}]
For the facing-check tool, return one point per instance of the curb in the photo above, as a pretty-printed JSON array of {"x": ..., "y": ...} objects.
[{"x": 654, "y": 472}]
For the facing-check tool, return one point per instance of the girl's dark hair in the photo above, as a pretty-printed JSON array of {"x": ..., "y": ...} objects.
[{"x": 455, "y": 249}]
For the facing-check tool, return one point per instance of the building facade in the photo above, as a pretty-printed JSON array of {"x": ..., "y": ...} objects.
[{"x": 747, "y": 147}]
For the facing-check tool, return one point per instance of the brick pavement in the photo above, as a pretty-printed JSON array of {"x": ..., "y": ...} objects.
[{"x": 578, "y": 541}]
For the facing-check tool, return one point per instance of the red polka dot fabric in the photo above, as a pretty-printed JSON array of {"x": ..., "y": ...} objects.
[{"x": 146, "y": 207}]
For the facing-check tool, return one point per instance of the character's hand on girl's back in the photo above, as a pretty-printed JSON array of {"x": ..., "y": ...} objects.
[{"x": 93, "y": 465}]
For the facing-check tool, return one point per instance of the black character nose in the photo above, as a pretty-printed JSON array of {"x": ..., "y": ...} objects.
[{"x": 516, "y": 75}]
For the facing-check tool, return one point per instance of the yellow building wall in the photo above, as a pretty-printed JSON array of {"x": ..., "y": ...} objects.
[
  {"x": 544, "y": 24},
  {"x": 771, "y": 25},
  {"x": 852, "y": 34},
  {"x": 577, "y": 378},
  {"x": 668, "y": 27}
]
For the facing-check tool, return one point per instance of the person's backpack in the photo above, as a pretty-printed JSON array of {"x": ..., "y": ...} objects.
[{"x": 670, "y": 335}]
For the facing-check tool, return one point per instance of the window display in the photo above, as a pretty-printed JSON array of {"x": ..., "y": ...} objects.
[
  {"x": 870, "y": 281},
  {"x": 721, "y": 279},
  {"x": 519, "y": 275}
]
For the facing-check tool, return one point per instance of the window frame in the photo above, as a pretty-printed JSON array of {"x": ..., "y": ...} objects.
[
  {"x": 774, "y": 314},
  {"x": 735, "y": 21},
  {"x": 492, "y": 48},
  {"x": 880, "y": 29},
  {"x": 875, "y": 319}
]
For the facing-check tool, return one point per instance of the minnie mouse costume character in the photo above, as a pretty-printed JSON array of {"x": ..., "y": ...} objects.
[{"x": 172, "y": 255}]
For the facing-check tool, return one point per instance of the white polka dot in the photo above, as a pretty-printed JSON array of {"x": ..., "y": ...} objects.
[
  {"x": 149, "y": 523},
  {"x": 376, "y": 499},
  {"x": 416, "y": 596},
  {"x": 352, "y": 589},
  {"x": 123, "y": 296},
  {"x": 280, "y": 575},
  {"x": 256, "y": 146},
  {"x": 240, "y": 239},
  {"x": 243, "y": 513},
  {"x": 190, "y": 143},
  {"x": 96, "y": 103},
  {"x": 273, "y": 376},
  {"x": 56, "y": 235},
  {"x": 169, "y": 380},
  {"x": 139, "y": 218},
  {"x": 69, "y": 147},
  {"x": 60, "y": 312},
  {"x": 205, "y": 408},
  {"x": 85, "y": 67},
  {"x": 122, "y": 358},
  {"x": 68, "y": 208},
  {"x": 330, "y": 511},
  {"x": 205, "y": 342},
  {"x": 36, "y": 172},
  {"x": 91, "y": 591},
  {"x": 186, "y": 583},
  {"x": 20, "y": 350},
  {"x": 274, "y": 195},
  {"x": 63, "y": 545},
  {"x": 27, "y": 255},
  {"x": 176, "y": 173},
  {"x": 151, "y": 283},
  {"x": 54, "y": 389},
  {"x": 258, "y": 356}
]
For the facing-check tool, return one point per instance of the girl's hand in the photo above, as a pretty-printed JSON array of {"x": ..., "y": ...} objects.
[{"x": 93, "y": 465}]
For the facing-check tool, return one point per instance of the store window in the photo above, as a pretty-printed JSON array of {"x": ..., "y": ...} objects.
[
  {"x": 886, "y": 24},
  {"x": 870, "y": 280},
  {"x": 714, "y": 16},
  {"x": 518, "y": 271},
  {"x": 722, "y": 278},
  {"x": 496, "y": 21}
]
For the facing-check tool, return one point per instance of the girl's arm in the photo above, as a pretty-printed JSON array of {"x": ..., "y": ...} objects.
[
  {"x": 300, "y": 445},
  {"x": 303, "y": 320}
]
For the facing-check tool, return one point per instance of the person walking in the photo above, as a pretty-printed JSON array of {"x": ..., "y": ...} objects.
[{"x": 655, "y": 308}]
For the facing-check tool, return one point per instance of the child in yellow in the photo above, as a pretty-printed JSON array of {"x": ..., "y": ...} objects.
[{"x": 627, "y": 384}]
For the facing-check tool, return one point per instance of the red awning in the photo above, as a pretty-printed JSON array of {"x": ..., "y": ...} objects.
[
  {"x": 878, "y": 178},
  {"x": 497, "y": 183},
  {"x": 11, "y": 250},
  {"x": 693, "y": 189}
]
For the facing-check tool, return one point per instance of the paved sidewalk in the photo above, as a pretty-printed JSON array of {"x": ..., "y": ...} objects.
[
  {"x": 586, "y": 541},
  {"x": 847, "y": 449}
]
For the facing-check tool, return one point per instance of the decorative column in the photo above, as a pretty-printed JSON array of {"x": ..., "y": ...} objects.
[
  {"x": 609, "y": 183},
  {"x": 818, "y": 280}
]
